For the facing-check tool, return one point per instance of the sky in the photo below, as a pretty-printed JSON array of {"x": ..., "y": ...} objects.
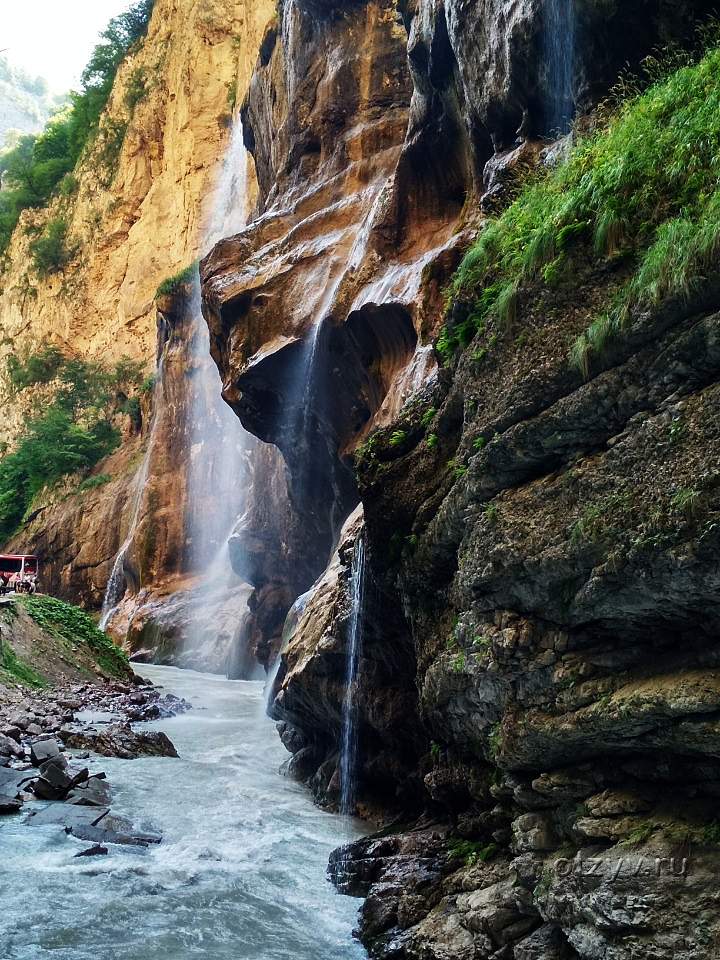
[{"x": 54, "y": 38}]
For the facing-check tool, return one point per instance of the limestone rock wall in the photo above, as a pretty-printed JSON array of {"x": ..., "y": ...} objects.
[
  {"x": 137, "y": 218},
  {"x": 542, "y": 637}
]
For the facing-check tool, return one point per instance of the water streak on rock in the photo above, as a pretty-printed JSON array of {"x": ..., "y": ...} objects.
[{"x": 349, "y": 745}]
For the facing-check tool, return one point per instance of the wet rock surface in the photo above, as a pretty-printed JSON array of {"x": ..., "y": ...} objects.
[
  {"x": 45, "y": 742},
  {"x": 544, "y": 617}
]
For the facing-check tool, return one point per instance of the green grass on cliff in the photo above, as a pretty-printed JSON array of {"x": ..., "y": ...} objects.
[
  {"x": 39, "y": 167},
  {"x": 645, "y": 186},
  {"x": 15, "y": 669},
  {"x": 72, "y": 625},
  {"x": 178, "y": 281}
]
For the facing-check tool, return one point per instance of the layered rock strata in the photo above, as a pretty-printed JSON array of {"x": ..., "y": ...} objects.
[{"x": 541, "y": 545}]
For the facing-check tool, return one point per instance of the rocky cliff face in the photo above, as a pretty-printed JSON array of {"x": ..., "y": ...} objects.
[
  {"x": 136, "y": 217},
  {"x": 539, "y": 646}
]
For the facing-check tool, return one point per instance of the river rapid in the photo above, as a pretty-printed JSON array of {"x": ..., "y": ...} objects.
[{"x": 241, "y": 871}]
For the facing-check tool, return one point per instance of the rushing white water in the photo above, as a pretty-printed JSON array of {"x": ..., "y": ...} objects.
[
  {"x": 117, "y": 581},
  {"x": 349, "y": 744},
  {"x": 240, "y": 874},
  {"x": 220, "y": 455},
  {"x": 559, "y": 37}
]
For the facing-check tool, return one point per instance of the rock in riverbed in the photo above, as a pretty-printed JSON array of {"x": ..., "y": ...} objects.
[{"x": 120, "y": 740}]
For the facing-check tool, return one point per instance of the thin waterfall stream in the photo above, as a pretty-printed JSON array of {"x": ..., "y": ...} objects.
[
  {"x": 349, "y": 743},
  {"x": 559, "y": 41},
  {"x": 117, "y": 581}
]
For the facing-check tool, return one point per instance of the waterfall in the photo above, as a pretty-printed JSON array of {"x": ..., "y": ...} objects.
[
  {"x": 220, "y": 455},
  {"x": 559, "y": 31},
  {"x": 116, "y": 584},
  {"x": 349, "y": 744},
  {"x": 218, "y": 449}
]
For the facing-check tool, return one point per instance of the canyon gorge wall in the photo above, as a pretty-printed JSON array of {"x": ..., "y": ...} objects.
[
  {"x": 136, "y": 216},
  {"x": 537, "y": 670},
  {"x": 531, "y": 677}
]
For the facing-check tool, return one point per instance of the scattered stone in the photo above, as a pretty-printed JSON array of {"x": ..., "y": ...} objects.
[
  {"x": 67, "y": 815},
  {"x": 9, "y": 747},
  {"x": 95, "y": 792},
  {"x": 120, "y": 740},
  {"x": 9, "y": 805},
  {"x": 41, "y": 750},
  {"x": 95, "y": 851}
]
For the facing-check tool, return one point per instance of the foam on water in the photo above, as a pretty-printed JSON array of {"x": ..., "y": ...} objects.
[{"x": 241, "y": 871}]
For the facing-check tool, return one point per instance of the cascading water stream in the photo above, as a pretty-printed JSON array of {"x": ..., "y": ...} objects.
[
  {"x": 220, "y": 455},
  {"x": 218, "y": 451},
  {"x": 559, "y": 39},
  {"x": 349, "y": 743},
  {"x": 117, "y": 581}
]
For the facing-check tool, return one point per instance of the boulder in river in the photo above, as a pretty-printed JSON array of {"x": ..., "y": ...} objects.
[{"x": 120, "y": 740}]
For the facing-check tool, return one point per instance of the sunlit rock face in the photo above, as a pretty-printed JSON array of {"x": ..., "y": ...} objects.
[{"x": 135, "y": 224}]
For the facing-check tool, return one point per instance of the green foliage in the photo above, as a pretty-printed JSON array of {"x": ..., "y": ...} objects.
[
  {"x": 479, "y": 443},
  {"x": 231, "y": 86},
  {"x": 52, "y": 446},
  {"x": 460, "y": 662},
  {"x": 482, "y": 643},
  {"x": 129, "y": 372},
  {"x": 131, "y": 407},
  {"x": 137, "y": 88},
  {"x": 639, "y": 835},
  {"x": 111, "y": 138},
  {"x": 492, "y": 512},
  {"x": 599, "y": 519},
  {"x": 435, "y": 751},
  {"x": 646, "y": 184},
  {"x": 72, "y": 625},
  {"x": 710, "y": 833},
  {"x": 686, "y": 501},
  {"x": 148, "y": 384},
  {"x": 495, "y": 740},
  {"x": 36, "y": 165},
  {"x": 72, "y": 434},
  {"x": 17, "y": 669},
  {"x": 51, "y": 251},
  {"x": 471, "y": 852},
  {"x": 397, "y": 438},
  {"x": 175, "y": 284},
  {"x": 92, "y": 483},
  {"x": 427, "y": 418},
  {"x": 677, "y": 431},
  {"x": 41, "y": 367},
  {"x": 432, "y": 440},
  {"x": 458, "y": 469}
]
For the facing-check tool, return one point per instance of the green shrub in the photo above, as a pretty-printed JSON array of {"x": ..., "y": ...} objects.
[
  {"x": 137, "y": 88},
  {"x": 73, "y": 433},
  {"x": 110, "y": 142},
  {"x": 178, "y": 281},
  {"x": 52, "y": 446},
  {"x": 397, "y": 438},
  {"x": 131, "y": 407},
  {"x": 148, "y": 384},
  {"x": 72, "y": 625},
  {"x": 92, "y": 483},
  {"x": 17, "y": 669},
  {"x": 645, "y": 184},
  {"x": 40, "y": 367},
  {"x": 51, "y": 251}
]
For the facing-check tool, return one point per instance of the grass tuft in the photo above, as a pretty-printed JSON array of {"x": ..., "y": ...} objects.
[{"x": 644, "y": 185}]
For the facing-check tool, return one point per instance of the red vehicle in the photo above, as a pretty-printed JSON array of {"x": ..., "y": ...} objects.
[{"x": 19, "y": 573}]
